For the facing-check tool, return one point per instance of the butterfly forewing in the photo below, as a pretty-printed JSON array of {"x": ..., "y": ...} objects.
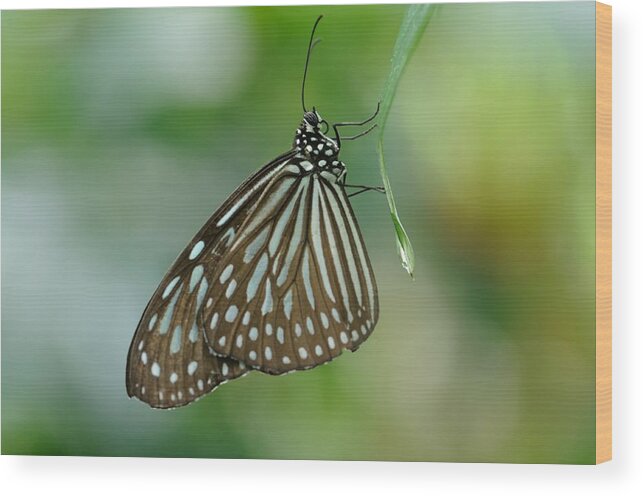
[
  {"x": 296, "y": 287},
  {"x": 169, "y": 361}
]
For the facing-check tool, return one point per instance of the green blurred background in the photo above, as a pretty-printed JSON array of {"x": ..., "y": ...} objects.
[{"x": 123, "y": 130}]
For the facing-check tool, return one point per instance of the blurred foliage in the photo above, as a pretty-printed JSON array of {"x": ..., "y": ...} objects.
[
  {"x": 123, "y": 130},
  {"x": 413, "y": 26}
]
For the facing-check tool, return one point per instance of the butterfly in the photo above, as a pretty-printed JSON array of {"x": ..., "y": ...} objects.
[{"x": 277, "y": 280}]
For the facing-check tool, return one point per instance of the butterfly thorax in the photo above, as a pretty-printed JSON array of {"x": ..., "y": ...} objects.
[{"x": 316, "y": 152}]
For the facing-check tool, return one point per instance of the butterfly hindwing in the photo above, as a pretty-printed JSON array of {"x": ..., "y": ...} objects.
[
  {"x": 170, "y": 363},
  {"x": 296, "y": 287}
]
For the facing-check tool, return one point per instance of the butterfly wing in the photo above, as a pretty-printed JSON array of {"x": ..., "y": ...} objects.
[
  {"x": 169, "y": 362},
  {"x": 296, "y": 287}
]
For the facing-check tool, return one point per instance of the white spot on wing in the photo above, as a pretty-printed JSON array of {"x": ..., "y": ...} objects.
[
  {"x": 231, "y": 287},
  {"x": 267, "y": 302},
  {"x": 175, "y": 344},
  {"x": 196, "y": 249},
  {"x": 194, "y": 333},
  {"x": 257, "y": 276},
  {"x": 306, "y": 275},
  {"x": 192, "y": 366},
  {"x": 197, "y": 273},
  {"x": 150, "y": 326},
  {"x": 214, "y": 320},
  {"x": 231, "y": 313},
  {"x": 203, "y": 289},
  {"x": 170, "y": 286},
  {"x": 324, "y": 320},
  {"x": 156, "y": 369},
  {"x": 309, "y": 326},
  {"x": 164, "y": 326},
  {"x": 228, "y": 237},
  {"x": 288, "y": 304},
  {"x": 336, "y": 315},
  {"x": 227, "y": 272}
]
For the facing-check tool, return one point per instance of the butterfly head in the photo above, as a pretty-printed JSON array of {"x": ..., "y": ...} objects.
[{"x": 311, "y": 141}]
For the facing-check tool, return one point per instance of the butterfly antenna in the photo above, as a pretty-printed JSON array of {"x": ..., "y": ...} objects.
[{"x": 311, "y": 45}]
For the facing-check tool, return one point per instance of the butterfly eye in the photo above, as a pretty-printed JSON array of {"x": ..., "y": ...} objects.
[{"x": 311, "y": 118}]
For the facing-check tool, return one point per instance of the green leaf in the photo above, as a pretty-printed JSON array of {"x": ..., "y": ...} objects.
[{"x": 413, "y": 25}]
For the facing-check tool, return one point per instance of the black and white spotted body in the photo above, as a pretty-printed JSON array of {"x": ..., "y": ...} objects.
[{"x": 316, "y": 152}]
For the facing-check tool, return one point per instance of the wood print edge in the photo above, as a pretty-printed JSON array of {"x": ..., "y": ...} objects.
[{"x": 603, "y": 232}]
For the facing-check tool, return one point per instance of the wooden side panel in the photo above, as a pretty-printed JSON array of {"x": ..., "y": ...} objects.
[{"x": 603, "y": 232}]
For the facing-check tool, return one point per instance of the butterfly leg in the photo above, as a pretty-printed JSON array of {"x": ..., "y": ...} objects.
[
  {"x": 362, "y": 189},
  {"x": 350, "y": 138},
  {"x": 366, "y": 121},
  {"x": 343, "y": 124}
]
